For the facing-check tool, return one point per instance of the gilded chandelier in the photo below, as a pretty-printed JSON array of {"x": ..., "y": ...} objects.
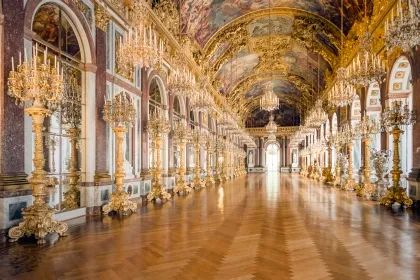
[
  {"x": 181, "y": 82},
  {"x": 342, "y": 93},
  {"x": 366, "y": 67},
  {"x": 269, "y": 101},
  {"x": 140, "y": 47},
  {"x": 403, "y": 30},
  {"x": 316, "y": 116}
]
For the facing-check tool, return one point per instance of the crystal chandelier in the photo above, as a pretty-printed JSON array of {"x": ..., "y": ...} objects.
[
  {"x": 367, "y": 67},
  {"x": 140, "y": 47},
  {"x": 403, "y": 31},
  {"x": 342, "y": 93},
  {"x": 269, "y": 101},
  {"x": 201, "y": 101},
  {"x": 181, "y": 82},
  {"x": 316, "y": 116}
]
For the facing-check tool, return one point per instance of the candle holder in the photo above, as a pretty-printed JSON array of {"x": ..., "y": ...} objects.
[
  {"x": 329, "y": 177},
  {"x": 197, "y": 139},
  {"x": 364, "y": 129},
  {"x": 181, "y": 137},
  {"x": 71, "y": 117},
  {"x": 393, "y": 118},
  {"x": 38, "y": 85},
  {"x": 337, "y": 170},
  {"x": 120, "y": 114},
  {"x": 210, "y": 150},
  {"x": 347, "y": 137},
  {"x": 158, "y": 126}
]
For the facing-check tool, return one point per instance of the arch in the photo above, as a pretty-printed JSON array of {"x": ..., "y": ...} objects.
[
  {"x": 157, "y": 80},
  {"x": 401, "y": 88},
  {"x": 77, "y": 20}
]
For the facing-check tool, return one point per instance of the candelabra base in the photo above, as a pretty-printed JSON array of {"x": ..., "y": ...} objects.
[
  {"x": 329, "y": 178},
  {"x": 198, "y": 184},
  {"x": 158, "y": 192},
  {"x": 209, "y": 181},
  {"x": 120, "y": 203},
  {"x": 182, "y": 188},
  {"x": 38, "y": 221},
  {"x": 366, "y": 190},
  {"x": 350, "y": 185},
  {"x": 396, "y": 195},
  {"x": 71, "y": 198}
]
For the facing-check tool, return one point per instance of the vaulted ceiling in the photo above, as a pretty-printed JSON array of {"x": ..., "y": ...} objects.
[{"x": 293, "y": 44}]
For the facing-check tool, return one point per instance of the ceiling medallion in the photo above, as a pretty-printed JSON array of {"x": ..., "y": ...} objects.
[
  {"x": 403, "y": 30},
  {"x": 269, "y": 101}
]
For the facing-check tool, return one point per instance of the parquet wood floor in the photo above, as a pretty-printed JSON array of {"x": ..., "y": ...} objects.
[{"x": 256, "y": 227}]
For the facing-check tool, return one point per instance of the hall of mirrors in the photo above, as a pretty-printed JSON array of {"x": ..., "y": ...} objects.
[{"x": 110, "y": 106}]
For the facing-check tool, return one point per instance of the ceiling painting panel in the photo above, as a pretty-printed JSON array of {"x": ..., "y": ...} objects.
[{"x": 202, "y": 18}]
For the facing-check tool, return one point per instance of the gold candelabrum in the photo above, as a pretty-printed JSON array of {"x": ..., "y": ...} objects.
[
  {"x": 218, "y": 166},
  {"x": 39, "y": 85},
  {"x": 337, "y": 171},
  {"x": 364, "y": 129},
  {"x": 197, "y": 139},
  {"x": 71, "y": 108},
  {"x": 119, "y": 114},
  {"x": 393, "y": 118},
  {"x": 158, "y": 127},
  {"x": 347, "y": 138},
  {"x": 210, "y": 150},
  {"x": 181, "y": 137},
  {"x": 329, "y": 177}
]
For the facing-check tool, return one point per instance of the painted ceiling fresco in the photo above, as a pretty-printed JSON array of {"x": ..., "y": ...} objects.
[
  {"x": 297, "y": 60},
  {"x": 282, "y": 88},
  {"x": 285, "y": 115},
  {"x": 202, "y": 18}
]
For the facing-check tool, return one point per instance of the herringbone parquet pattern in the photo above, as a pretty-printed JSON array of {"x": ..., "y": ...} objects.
[{"x": 256, "y": 227}]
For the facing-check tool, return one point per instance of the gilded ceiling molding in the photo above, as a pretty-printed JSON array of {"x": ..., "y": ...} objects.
[{"x": 102, "y": 17}]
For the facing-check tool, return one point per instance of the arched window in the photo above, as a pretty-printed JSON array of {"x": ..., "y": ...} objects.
[
  {"x": 53, "y": 29},
  {"x": 155, "y": 98}
]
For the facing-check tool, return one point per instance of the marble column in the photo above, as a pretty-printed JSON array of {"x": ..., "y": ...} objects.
[
  {"x": 415, "y": 61},
  {"x": 145, "y": 172},
  {"x": 101, "y": 172},
  {"x": 12, "y": 151},
  {"x": 171, "y": 150},
  {"x": 262, "y": 152}
]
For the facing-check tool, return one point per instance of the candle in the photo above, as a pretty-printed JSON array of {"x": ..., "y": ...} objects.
[
  {"x": 25, "y": 55},
  {"x": 45, "y": 55},
  {"x": 20, "y": 58},
  {"x": 13, "y": 64}
]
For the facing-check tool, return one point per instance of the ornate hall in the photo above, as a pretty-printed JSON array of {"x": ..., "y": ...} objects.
[{"x": 209, "y": 139}]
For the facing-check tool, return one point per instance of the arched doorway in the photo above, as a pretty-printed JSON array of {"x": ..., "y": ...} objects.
[{"x": 272, "y": 157}]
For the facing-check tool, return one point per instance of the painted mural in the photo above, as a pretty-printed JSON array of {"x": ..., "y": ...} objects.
[
  {"x": 280, "y": 25},
  {"x": 279, "y": 87},
  {"x": 285, "y": 115},
  {"x": 242, "y": 65},
  {"x": 202, "y": 18}
]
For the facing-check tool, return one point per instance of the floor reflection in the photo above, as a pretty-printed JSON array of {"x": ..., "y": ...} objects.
[{"x": 263, "y": 226}]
